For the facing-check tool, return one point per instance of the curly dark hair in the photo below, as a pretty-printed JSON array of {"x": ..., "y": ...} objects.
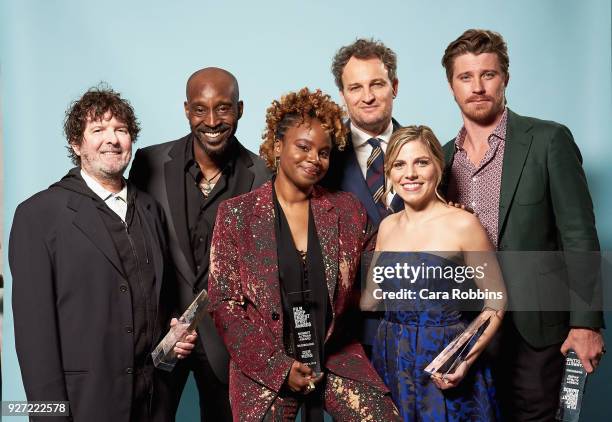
[
  {"x": 93, "y": 105},
  {"x": 364, "y": 49},
  {"x": 476, "y": 41},
  {"x": 292, "y": 110}
]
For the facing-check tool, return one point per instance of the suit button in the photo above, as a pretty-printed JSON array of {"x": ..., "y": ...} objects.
[
  {"x": 129, "y": 371},
  {"x": 275, "y": 316},
  {"x": 195, "y": 291},
  {"x": 129, "y": 329},
  {"x": 123, "y": 288}
]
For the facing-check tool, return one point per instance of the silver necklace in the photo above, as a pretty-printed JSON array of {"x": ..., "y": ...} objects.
[{"x": 207, "y": 185}]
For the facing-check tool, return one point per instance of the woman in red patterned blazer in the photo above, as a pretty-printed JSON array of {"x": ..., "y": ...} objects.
[{"x": 292, "y": 236}]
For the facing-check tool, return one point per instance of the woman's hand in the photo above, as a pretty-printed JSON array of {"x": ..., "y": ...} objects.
[
  {"x": 302, "y": 379},
  {"x": 444, "y": 382}
]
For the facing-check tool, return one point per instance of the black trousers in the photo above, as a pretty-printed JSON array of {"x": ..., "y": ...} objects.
[
  {"x": 214, "y": 395},
  {"x": 527, "y": 379}
]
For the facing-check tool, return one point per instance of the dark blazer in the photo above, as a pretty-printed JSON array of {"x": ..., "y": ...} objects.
[
  {"x": 544, "y": 205},
  {"x": 345, "y": 174},
  {"x": 245, "y": 294},
  {"x": 72, "y": 304},
  {"x": 158, "y": 170}
]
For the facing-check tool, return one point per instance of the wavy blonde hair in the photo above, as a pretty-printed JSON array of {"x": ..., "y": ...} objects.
[{"x": 411, "y": 134}]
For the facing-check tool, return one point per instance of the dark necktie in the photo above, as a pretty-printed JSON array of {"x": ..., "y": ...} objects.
[{"x": 375, "y": 175}]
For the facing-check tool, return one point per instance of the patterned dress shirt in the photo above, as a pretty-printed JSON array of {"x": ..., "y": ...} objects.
[{"x": 478, "y": 186}]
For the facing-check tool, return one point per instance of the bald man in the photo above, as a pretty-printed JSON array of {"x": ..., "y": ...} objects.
[{"x": 189, "y": 177}]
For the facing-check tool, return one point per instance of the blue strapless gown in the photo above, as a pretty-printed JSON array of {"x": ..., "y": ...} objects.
[{"x": 411, "y": 335}]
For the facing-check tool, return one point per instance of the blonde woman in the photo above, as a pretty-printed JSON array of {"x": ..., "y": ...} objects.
[{"x": 415, "y": 330}]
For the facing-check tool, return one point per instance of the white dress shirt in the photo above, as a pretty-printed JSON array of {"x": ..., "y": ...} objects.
[
  {"x": 363, "y": 150},
  {"x": 115, "y": 201}
]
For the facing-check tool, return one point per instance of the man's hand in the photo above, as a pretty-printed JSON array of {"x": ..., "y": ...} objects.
[
  {"x": 588, "y": 345},
  {"x": 184, "y": 347},
  {"x": 460, "y": 206}
]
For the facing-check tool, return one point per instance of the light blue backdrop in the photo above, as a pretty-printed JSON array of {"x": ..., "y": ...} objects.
[{"x": 52, "y": 51}]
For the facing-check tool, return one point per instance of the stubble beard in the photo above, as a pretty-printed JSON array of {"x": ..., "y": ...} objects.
[
  {"x": 376, "y": 127},
  {"x": 109, "y": 172}
]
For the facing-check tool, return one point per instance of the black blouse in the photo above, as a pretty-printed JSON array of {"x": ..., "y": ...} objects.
[{"x": 304, "y": 272}]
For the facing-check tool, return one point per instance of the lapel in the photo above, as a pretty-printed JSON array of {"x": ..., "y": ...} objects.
[
  {"x": 397, "y": 203},
  {"x": 243, "y": 176},
  {"x": 88, "y": 220},
  {"x": 264, "y": 250},
  {"x": 395, "y": 124},
  {"x": 449, "y": 157},
  {"x": 354, "y": 182},
  {"x": 518, "y": 142},
  {"x": 174, "y": 181},
  {"x": 326, "y": 224}
]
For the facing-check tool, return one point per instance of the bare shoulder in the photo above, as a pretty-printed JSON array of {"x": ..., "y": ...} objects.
[
  {"x": 462, "y": 220},
  {"x": 387, "y": 226},
  {"x": 470, "y": 233}
]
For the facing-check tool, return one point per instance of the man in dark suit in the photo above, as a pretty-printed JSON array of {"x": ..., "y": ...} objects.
[
  {"x": 365, "y": 72},
  {"x": 91, "y": 296},
  {"x": 524, "y": 179},
  {"x": 189, "y": 177}
]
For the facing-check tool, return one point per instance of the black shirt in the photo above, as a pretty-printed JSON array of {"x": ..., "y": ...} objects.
[{"x": 202, "y": 211}]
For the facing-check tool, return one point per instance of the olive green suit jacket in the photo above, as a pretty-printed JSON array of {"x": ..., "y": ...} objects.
[{"x": 544, "y": 205}]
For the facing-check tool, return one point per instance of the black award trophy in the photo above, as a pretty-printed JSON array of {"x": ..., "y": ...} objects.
[
  {"x": 303, "y": 344},
  {"x": 572, "y": 389}
]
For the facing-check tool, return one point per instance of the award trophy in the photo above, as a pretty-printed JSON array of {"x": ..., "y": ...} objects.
[
  {"x": 302, "y": 331},
  {"x": 457, "y": 351},
  {"x": 572, "y": 389},
  {"x": 163, "y": 356}
]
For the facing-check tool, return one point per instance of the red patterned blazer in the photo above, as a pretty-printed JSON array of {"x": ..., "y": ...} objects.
[{"x": 245, "y": 294}]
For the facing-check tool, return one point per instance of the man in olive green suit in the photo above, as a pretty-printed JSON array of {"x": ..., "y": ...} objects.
[{"x": 523, "y": 178}]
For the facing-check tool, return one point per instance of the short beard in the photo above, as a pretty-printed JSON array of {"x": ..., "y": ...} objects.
[
  {"x": 218, "y": 155},
  {"x": 484, "y": 118}
]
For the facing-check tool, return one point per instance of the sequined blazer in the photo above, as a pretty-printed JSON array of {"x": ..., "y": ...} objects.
[{"x": 246, "y": 302}]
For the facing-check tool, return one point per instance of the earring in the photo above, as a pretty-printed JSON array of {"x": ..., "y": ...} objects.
[{"x": 276, "y": 163}]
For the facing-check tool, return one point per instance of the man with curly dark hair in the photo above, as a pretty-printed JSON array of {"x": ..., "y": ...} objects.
[
  {"x": 91, "y": 296},
  {"x": 189, "y": 177}
]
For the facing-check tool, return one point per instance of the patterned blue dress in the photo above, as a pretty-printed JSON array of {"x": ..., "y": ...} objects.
[{"x": 411, "y": 335}]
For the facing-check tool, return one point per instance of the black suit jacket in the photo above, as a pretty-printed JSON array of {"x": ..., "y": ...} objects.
[
  {"x": 72, "y": 304},
  {"x": 158, "y": 170}
]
